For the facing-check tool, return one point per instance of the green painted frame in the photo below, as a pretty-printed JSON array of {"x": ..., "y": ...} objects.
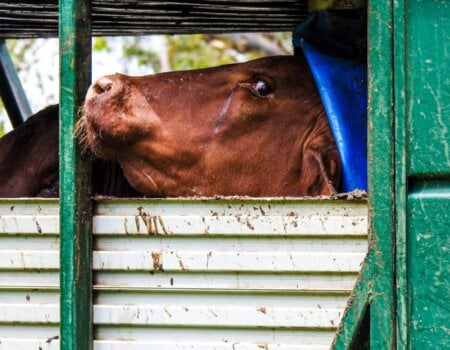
[
  {"x": 381, "y": 142},
  {"x": 401, "y": 301},
  {"x": 75, "y": 201},
  {"x": 422, "y": 73},
  {"x": 376, "y": 284}
]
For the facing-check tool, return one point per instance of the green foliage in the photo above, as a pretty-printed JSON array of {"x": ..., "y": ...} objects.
[
  {"x": 180, "y": 52},
  {"x": 101, "y": 44},
  {"x": 18, "y": 49},
  {"x": 136, "y": 48},
  {"x": 198, "y": 51}
]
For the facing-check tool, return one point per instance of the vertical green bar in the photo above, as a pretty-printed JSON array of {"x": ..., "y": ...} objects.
[
  {"x": 75, "y": 203},
  {"x": 426, "y": 316},
  {"x": 401, "y": 181},
  {"x": 377, "y": 277},
  {"x": 381, "y": 175}
]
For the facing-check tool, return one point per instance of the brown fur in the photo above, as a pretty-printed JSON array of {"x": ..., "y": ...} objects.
[{"x": 205, "y": 132}]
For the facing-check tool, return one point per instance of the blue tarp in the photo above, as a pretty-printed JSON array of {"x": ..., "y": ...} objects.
[{"x": 342, "y": 84}]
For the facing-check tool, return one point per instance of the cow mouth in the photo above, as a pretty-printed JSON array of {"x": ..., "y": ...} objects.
[
  {"x": 81, "y": 133},
  {"x": 91, "y": 141}
]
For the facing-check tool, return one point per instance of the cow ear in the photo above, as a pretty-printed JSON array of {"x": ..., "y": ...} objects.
[{"x": 321, "y": 171}]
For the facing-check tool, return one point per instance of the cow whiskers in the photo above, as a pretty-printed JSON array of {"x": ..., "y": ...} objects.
[{"x": 80, "y": 133}]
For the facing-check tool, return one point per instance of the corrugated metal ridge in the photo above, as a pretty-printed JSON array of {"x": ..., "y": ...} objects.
[
  {"x": 253, "y": 280},
  {"x": 24, "y": 19}
]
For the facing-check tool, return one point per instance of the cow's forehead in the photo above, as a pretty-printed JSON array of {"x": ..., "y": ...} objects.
[
  {"x": 283, "y": 67},
  {"x": 267, "y": 64}
]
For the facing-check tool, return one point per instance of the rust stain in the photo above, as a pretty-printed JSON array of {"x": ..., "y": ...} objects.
[
  {"x": 155, "y": 224},
  {"x": 161, "y": 223},
  {"x": 182, "y": 265},
  {"x": 148, "y": 225},
  {"x": 136, "y": 219},
  {"x": 262, "y": 309},
  {"x": 157, "y": 261},
  {"x": 151, "y": 223}
]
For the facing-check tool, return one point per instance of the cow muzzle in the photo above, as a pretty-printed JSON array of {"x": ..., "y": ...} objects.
[{"x": 107, "y": 87}]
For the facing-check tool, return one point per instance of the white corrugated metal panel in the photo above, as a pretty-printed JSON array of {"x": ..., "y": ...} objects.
[
  {"x": 188, "y": 274},
  {"x": 212, "y": 274},
  {"x": 29, "y": 276}
]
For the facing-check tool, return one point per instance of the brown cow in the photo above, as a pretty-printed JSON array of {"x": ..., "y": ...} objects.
[
  {"x": 29, "y": 162},
  {"x": 256, "y": 128}
]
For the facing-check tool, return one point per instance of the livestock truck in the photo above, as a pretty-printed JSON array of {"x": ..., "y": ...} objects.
[{"x": 239, "y": 273}]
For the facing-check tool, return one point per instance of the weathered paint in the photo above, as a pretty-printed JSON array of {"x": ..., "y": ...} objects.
[
  {"x": 401, "y": 181},
  {"x": 376, "y": 282},
  {"x": 428, "y": 266},
  {"x": 427, "y": 34},
  {"x": 411, "y": 178},
  {"x": 381, "y": 181},
  {"x": 74, "y": 176},
  {"x": 197, "y": 284},
  {"x": 424, "y": 318}
]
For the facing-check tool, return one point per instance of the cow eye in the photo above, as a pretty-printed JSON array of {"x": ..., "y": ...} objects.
[{"x": 262, "y": 88}]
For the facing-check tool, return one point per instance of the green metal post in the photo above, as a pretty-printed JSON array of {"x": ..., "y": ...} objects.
[
  {"x": 75, "y": 203},
  {"x": 401, "y": 183},
  {"x": 424, "y": 283},
  {"x": 381, "y": 175},
  {"x": 376, "y": 284}
]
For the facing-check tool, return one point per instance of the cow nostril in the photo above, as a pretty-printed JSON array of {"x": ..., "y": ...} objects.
[
  {"x": 101, "y": 89},
  {"x": 102, "y": 85},
  {"x": 105, "y": 88}
]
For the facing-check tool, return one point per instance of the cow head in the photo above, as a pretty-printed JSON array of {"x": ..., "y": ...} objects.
[{"x": 255, "y": 128}]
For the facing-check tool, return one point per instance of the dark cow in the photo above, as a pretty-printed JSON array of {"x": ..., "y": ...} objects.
[{"x": 256, "y": 129}]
